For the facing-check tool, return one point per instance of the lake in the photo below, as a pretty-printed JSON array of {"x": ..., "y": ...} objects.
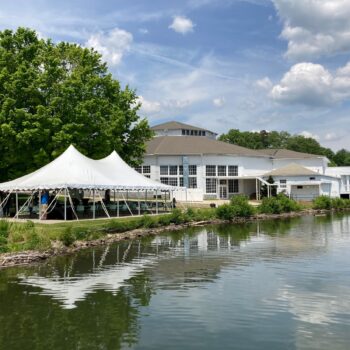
[{"x": 279, "y": 284}]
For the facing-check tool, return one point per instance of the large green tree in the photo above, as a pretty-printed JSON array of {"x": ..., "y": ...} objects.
[
  {"x": 283, "y": 139},
  {"x": 53, "y": 95}
]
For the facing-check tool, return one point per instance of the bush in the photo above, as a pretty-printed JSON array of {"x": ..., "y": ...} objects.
[
  {"x": 147, "y": 221},
  {"x": 225, "y": 212},
  {"x": 241, "y": 206},
  {"x": 322, "y": 202},
  {"x": 177, "y": 217},
  {"x": 67, "y": 237},
  {"x": 279, "y": 204}
]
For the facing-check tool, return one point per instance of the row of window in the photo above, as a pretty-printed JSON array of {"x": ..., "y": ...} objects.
[
  {"x": 283, "y": 182},
  {"x": 174, "y": 181},
  {"x": 211, "y": 185},
  {"x": 145, "y": 169},
  {"x": 221, "y": 170},
  {"x": 177, "y": 170},
  {"x": 193, "y": 132}
]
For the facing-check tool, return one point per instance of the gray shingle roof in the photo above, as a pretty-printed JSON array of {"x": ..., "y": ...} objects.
[
  {"x": 291, "y": 170},
  {"x": 286, "y": 153},
  {"x": 187, "y": 145},
  {"x": 173, "y": 125}
]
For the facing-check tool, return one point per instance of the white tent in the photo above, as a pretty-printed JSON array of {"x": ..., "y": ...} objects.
[{"x": 73, "y": 170}]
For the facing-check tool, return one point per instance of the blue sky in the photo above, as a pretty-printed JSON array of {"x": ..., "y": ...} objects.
[{"x": 220, "y": 64}]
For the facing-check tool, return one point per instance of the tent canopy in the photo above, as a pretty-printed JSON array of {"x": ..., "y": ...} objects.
[{"x": 74, "y": 170}]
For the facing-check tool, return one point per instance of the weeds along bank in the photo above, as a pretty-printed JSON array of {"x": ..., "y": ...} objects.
[{"x": 19, "y": 237}]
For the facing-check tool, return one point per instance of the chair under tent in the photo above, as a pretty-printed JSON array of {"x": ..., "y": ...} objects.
[{"x": 130, "y": 193}]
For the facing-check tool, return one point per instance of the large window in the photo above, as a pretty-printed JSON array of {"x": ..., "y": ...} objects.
[
  {"x": 221, "y": 170},
  {"x": 283, "y": 183},
  {"x": 173, "y": 170},
  {"x": 164, "y": 170},
  {"x": 232, "y": 170},
  {"x": 210, "y": 186},
  {"x": 233, "y": 186},
  {"x": 192, "y": 182},
  {"x": 192, "y": 169},
  {"x": 146, "y": 169},
  {"x": 210, "y": 170}
]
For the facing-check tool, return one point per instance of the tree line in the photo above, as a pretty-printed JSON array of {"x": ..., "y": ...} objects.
[{"x": 282, "y": 139}]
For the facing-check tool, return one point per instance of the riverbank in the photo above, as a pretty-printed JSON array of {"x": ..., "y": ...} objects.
[{"x": 106, "y": 232}]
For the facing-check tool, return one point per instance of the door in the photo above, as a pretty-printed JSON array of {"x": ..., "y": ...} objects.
[{"x": 223, "y": 189}]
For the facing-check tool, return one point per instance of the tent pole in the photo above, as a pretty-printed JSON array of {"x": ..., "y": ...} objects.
[
  {"x": 114, "y": 195},
  {"x": 16, "y": 204},
  {"x": 156, "y": 201},
  {"x": 139, "y": 203},
  {"x": 93, "y": 205},
  {"x": 118, "y": 212},
  {"x": 39, "y": 204},
  {"x": 65, "y": 204}
]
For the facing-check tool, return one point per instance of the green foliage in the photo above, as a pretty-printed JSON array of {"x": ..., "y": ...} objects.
[
  {"x": 322, "y": 202},
  {"x": 238, "y": 207},
  {"x": 53, "y": 95},
  {"x": 68, "y": 236},
  {"x": 282, "y": 139},
  {"x": 279, "y": 204},
  {"x": 264, "y": 189},
  {"x": 177, "y": 217},
  {"x": 4, "y": 233}
]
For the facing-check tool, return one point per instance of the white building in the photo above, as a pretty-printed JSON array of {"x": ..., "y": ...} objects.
[{"x": 185, "y": 155}]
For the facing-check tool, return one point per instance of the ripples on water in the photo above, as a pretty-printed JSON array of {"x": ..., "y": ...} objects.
[{"x": 272, "y": 285}]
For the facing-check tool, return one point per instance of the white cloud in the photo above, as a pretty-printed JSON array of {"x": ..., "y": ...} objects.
[
  {"x": 309, "y": 135},
  {"x": 312, "y": 84},
  {"x": 182, "y": 25},
  {"x": 331, "y": 136},
  {"x": 314, "y": 28},
  {"x": 219, "y": 101},
  {"x": 143, "y": 31},
  {"x": 264, "y": 83},
  {"x": 149, "y": 106},
  {"x": 112, "y": 45}
]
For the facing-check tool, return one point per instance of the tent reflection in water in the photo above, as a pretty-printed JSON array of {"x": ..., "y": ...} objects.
[{"x": 73, "y": 172}]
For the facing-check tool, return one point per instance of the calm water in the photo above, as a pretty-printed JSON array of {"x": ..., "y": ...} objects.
[{"x": 273, "y": 285}]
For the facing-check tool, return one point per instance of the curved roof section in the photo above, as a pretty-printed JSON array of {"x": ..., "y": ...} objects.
[
  {"x": 173, "y": 125},
  {"x": 187, "y": 145}
]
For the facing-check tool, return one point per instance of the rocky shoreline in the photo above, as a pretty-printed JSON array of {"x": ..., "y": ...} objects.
[{"x": 30, "y": 257}]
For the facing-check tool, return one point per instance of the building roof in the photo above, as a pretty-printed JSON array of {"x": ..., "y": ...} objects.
[
  {"x": 187, "y": 145},
  {"x": 291, "y": 170},
  {"x": 174, "y": 125},
  {"x": 286, "y": 154}
]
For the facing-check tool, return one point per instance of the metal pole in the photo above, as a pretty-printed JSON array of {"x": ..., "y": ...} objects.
[
  {"x": 17, "y": 204},
  {"x": 65, "y": 204},
  {"x": 39, "y": 205},
  {"x": 156, "y": 201},
  {"x": 117, "y": 205},
  {"x": 139, "y": 203},
  {"x": 93, "y": 205}
]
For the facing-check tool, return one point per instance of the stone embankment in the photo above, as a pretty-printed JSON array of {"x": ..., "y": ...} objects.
[{"x": 29, "y": 257}]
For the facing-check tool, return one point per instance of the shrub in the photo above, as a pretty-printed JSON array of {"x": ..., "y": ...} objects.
[
  {"x": 288, "y": 204},
  {"x": 225, "y": 212},
  {"x": 177, "y": 217},
  {"x": 270, "y": 206},
  {"x": 67, "y": 237},
  {"x": 322, "y": 202},
  {"x": 190, "y": 214},
  {"x": 241, "y": 206},
  {"x": 147, "y": 221}
]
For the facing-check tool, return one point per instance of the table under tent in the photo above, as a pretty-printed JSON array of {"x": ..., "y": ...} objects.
[{"x": 81, "y": 187}]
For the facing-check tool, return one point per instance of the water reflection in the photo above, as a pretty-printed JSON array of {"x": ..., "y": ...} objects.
[{"x": 278, "y": 284}]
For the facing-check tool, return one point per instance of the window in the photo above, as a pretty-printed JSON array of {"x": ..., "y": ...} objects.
[
  {"x": 210, "y": 185},
  {"x": 181, "y": 170},
  {"x": 173, "y": 170},
  {"x": 164, "y": 180},
  {"x": 181, "y": 181},
  {"x": 183, "y": 132},
  {"x": 187, "y": 132},
  {"x": 192, "y": 182},
  {"x": 232, "y": 170},
  {"x": 221, "y": 170},
  {"x": 233, "y": 186},
  {"x": 146, "y": 169},
  {"x": 192, "y": 169},
  {"x": 138, "y": 169},
  {"x": 283, "y": 183},
  {"x": 149, "y": 176},
  {"x": 203, "y": 133},
  {"x": 164, "y": 169},
  {"x": 210, "y": 170},
  {"x": 299, "y": 187},
  {"x": 312, "y": 178},
  {"x": 192, "y": 132},
  {"x": 172, "y": 181}
]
